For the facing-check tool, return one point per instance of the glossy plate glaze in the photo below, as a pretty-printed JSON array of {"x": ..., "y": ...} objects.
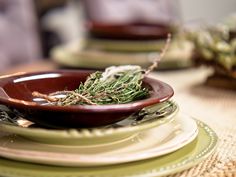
[
  {"x": 192, "y": 154},
  {"x": 147, "y": 118},
  {"x": 148, "y": 144},
  {"x": 16, "y": 92}
]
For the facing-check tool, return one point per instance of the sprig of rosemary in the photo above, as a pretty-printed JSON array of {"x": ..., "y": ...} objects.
[{"x": 117, "y": 85}]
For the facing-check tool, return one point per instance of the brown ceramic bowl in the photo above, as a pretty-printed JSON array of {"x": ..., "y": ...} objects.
[{"x": 16, "y": 92}]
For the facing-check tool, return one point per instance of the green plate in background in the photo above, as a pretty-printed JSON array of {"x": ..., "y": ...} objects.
[
  {"x": 124, "y": 45},
  {"x": 109, "y": 53},
  {"x": 201, "y": 148}
]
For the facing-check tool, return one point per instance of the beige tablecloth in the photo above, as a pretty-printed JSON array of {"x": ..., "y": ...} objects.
[{"x": 215, "y": 107}]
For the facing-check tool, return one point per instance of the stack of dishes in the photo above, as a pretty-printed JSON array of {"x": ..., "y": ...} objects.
[
  {"x": 101, "y": 53},
  {"x": 155, "y": 139}
]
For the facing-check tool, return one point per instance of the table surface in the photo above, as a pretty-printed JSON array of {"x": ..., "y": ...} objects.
[{"x": 214, "y": 106}]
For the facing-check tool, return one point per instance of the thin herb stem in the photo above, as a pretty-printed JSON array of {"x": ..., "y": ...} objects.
[{"x": 162, "y": 54}]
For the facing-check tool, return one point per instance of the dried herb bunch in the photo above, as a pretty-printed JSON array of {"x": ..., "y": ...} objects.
[{"x": 116, "y": 85}]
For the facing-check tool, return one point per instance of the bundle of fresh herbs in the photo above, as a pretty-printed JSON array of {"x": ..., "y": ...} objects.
[
  {"x": 216, "y": 45},
  {"x": 116, "y": 85}
]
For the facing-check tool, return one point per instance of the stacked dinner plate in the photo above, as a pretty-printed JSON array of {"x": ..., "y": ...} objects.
[{"x": 157, "y": 140}]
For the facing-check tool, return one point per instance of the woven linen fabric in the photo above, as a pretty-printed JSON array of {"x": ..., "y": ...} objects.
[{"x": 215, "y": 107}]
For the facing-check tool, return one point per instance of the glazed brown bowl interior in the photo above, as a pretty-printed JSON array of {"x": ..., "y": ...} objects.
[{"x": 16, "y": 92}]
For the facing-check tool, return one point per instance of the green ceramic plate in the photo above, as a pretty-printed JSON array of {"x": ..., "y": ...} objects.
[
  {"x": 73, "y": 55},
  {"x": 147, "y": 118},
  {"x": 190, "y": 155},
  {"x": 124, "y": 45}
]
